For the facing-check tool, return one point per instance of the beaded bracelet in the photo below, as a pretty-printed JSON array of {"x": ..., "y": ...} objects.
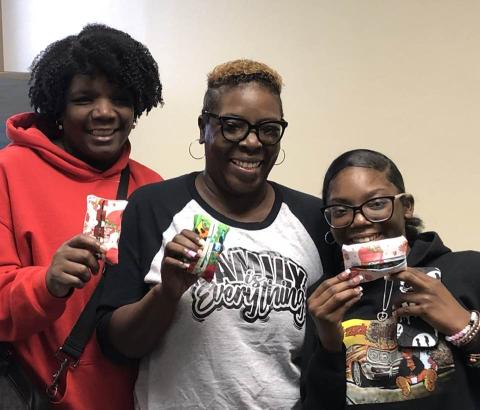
[
  {"x": 474, "y": 359},
  {"x": 472, "y": 334},
  {"x": 457, "y": 336},
  {"x": 468, "y": 332}
]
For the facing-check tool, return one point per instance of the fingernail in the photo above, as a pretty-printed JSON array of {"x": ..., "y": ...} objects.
[
  {"x": 186, "y": 265},
  {"x": 191, "y": 254},
  {"x": 201, "y": 242},
  {"x": 359, "y": 289},
  {"x": 356, "y": 280}
]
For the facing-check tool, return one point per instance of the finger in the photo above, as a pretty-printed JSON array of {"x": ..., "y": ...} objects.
[
  {"x": 193, "y": 237},
  {"x": 328, "y": 283},
  {"x": 326, "y": 314},
  {"x": 409, "y": 297},
  {"x": 186, "y": 242},
  {"x": 82, "y": 257},
  {"x": 342, "y": 300},
  {"x": 72, "y": 278},
  {"x": 340, "y": 313},
  {"x": 321, "y": 308},
  {"x": 334, "y": 289},
  {"x": 408, "y": 310},
  {"x": 169, "y": 262},
  {"x": 414, "y": 278},
  {"x": 78, "y": 270},
  {"x": 181, "y": 252},
  {"x": 86, "y": 242}
]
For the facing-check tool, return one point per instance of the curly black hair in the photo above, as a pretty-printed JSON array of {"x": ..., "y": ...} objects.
[{"x": 96, "y": 49}]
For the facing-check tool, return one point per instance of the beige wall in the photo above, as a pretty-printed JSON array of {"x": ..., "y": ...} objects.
[{"x": 402, "y": 77}]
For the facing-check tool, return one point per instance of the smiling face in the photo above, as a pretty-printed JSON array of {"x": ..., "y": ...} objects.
[
  {"x": 354, "y": 186},
  {"x": 240, "y": 168},
  {"x": 97, "y": 120}
]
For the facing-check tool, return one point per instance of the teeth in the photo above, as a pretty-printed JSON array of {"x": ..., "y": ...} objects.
[
  {"x": 247, "y": 165},
  {"x": 102, "y": 133},
  {"x": 365, "y": 239}
]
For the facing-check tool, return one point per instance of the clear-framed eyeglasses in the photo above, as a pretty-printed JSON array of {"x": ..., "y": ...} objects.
[
  {"x": 379, "y": 209},
  {"x": 235, "y": 129}
]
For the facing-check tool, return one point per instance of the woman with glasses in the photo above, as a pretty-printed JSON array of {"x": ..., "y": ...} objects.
[
  {"x": 423, "y": 351},
  {"x": 233, "y": 342}
]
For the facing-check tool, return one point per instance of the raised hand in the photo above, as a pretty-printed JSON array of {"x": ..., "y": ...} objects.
[
  {"x": 328, "y": 305},
  {"x": 430, "y": 300},
  {"x": 179, "y": 254},
  {"x": 73, "y": 264}
]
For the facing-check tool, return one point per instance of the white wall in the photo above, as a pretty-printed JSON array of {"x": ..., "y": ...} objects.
[
  {"x": 402, "y": 77},
  {"x": 30, "y": 25}
]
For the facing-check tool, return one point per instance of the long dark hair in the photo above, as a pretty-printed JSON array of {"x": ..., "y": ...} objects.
[{"x": 375, "y": 160}]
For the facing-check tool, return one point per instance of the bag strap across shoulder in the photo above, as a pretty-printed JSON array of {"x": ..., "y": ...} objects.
[{"x": 74, "y": 345}]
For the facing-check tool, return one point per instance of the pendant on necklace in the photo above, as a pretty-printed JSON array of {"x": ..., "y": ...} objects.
[{"x": 382, "y": 316}]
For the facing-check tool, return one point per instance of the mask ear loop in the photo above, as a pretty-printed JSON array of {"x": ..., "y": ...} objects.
[
  {"x": 283, "y": 158},
  {"x": 190, "y": 149}
]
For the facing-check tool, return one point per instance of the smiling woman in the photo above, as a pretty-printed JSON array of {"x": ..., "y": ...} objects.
[
  {"x": 219, "y": 342},
  {"x": 87, "y": 91},
  {"x": 408, "y": 340},
  {"x": 97, "y": 120}
]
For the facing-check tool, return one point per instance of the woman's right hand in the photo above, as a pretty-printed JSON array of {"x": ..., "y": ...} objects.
[
  {"x": 328, "y": 305},
  {"x": 180, "y": 252},
  {"x": 72, "y": 265}
]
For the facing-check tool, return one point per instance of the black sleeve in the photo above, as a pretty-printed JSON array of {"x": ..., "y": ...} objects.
[
  {"x": 148, "y": 214},
  {"x": 307, "y": 208},
  {"x": 323, "y": 384},
  {"x": 323, "y": 374},
  {"x": 123, "y": 282}
]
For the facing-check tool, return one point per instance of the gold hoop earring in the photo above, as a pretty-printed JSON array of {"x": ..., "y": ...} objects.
[
  {"x": 283, "y": 159},
  {"x": 327, "y": 240},
  {"x": 190, "y": 149}
]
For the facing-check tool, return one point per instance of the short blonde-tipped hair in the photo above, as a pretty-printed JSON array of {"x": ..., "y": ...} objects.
[
  {"x": 238, "y": 72},
  {"x": 244, "y": 71}
]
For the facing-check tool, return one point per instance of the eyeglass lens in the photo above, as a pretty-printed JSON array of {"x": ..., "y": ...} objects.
[
  {"x": 237, "y": 129},
  {"x": 374, "y": 210}
]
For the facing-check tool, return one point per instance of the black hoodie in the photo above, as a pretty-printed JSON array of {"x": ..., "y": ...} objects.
[{"x": 373, "y": 372}]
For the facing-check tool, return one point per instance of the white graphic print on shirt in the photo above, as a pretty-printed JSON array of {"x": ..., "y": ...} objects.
[{"x": 254, "y": 282}]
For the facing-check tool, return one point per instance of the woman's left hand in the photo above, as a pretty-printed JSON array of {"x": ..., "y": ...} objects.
[{"x": 431, "y": 301}]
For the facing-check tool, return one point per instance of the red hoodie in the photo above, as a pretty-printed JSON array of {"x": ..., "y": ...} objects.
[{"x": 43, "y": 192}]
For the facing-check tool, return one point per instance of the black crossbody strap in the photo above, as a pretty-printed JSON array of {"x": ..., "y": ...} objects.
[
  {"x": 85, "y": 325},
  {"x": 75, "y": 343},
  {"x": 122, "y": 191}
]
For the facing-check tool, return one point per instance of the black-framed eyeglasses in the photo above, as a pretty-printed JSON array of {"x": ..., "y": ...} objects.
[
  {"x": 234, "y": 129},
  {"x": 379, "y": 209}
]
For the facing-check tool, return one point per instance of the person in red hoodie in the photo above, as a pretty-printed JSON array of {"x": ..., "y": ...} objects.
[{"x": 87, "y": 90}]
